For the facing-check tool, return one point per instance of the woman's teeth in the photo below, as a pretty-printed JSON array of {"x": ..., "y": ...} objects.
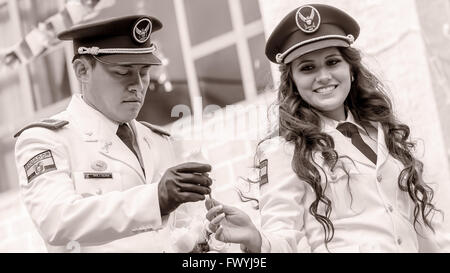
[{"x": 325, "y": 89}]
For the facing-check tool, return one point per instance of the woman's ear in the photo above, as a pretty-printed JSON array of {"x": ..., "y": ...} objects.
[{"x": 83, "y": 69}]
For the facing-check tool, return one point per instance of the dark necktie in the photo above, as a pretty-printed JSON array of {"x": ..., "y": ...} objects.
[
  {"x": 350, "y": 130},
  {"x": 125, "y": 134}
]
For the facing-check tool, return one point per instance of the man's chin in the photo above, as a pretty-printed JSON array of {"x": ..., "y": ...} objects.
[{"x": 127, "y": 118}]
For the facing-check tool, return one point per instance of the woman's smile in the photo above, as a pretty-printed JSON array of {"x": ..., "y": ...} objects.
[{"x": 326, "y": 90}]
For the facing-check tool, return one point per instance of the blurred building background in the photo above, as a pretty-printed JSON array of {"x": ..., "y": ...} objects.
[{"x": 214, "y": 56}]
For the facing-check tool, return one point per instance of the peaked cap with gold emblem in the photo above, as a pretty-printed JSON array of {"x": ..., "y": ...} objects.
[
  {"x": 309, "y": 28},
  {"x": 121, "y": 40}
]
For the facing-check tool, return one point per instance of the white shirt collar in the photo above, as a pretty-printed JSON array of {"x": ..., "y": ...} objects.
[
  {"x": 329, "y": 124},
  {"x": 90, "y": 118}
]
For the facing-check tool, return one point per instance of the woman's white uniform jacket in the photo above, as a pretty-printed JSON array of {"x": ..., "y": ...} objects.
[
  {"x": 369, "y": 211},
  {"x": 84, "y": 188}
]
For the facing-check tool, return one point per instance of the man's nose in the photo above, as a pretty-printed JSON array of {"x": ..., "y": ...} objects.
[{"x": 137, "y": 84}]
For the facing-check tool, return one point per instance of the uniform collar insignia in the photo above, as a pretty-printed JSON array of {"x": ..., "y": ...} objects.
[{"x": 308, "y": 19}]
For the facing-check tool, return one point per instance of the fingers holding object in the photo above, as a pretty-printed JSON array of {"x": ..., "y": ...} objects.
[
  {"x": 213, "y": 212},
  {"x": 210, "y": 203},
  {"x": 190, "y": 197},
  {"x": 215, "y": 223}
]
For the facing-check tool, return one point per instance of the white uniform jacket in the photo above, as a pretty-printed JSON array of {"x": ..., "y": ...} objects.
[
  {"x": 95, "y": 195},
  {"x": 369, "y": 211}
]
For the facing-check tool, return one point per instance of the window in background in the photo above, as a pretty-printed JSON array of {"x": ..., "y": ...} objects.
[
  {"x": 250, "y": 10},
  {"x": 50, "y": 78},
  {"x": 207, "y": 19},
  {"x": 223, "y": 47},
  {"x": 261, "y": 67},
  {"x": 219, "y": 78}
]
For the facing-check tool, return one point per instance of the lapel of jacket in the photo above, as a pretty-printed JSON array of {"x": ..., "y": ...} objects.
[
  {"x": 113, "y": 147},
  {"x": 147, "y": 149},
  {"x": 344, "y": 147}
]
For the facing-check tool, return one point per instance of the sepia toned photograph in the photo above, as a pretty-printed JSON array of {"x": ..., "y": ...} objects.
[{"x": 224, "y": 126}]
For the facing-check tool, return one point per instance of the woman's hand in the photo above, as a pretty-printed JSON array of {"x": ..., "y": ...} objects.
[{"x": 232, "y": 225}]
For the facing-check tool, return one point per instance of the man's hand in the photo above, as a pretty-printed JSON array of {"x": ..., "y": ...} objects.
[{"x": 187, "y": 182}]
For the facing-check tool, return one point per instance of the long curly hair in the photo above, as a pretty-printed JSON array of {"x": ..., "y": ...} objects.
[{"x": 367, "y": 101}]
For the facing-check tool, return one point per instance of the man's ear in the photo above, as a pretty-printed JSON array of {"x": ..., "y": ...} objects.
[{"x": 83, "y": 69}]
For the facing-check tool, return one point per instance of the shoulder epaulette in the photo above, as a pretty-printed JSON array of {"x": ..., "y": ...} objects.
[
  {"x": 155, "y": 129},
  {"x": 51, "y": 124}
]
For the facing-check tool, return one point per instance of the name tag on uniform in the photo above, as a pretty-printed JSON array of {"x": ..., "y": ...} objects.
[{"x": 98, "y": 175}]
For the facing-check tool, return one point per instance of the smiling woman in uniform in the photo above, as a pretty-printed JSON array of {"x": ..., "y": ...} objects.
[{"x": 341, "y": 177}]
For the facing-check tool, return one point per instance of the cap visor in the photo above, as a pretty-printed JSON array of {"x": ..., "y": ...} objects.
[
  {"x": 129, "y": 59},
  {"x": 304, "y": 49}
]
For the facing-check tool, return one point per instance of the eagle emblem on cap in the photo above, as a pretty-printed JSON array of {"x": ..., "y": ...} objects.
[
  {"x": 141, "y": 30},
  {"x": 308, "y": 19}
]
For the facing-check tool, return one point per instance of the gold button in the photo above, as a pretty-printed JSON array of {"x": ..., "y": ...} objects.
[{"x": 399, "y": 241}]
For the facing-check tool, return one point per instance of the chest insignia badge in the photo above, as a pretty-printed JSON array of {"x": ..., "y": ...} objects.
[
  {"x": 106, "y": 146},
  {"x": 99, "y": 166}
]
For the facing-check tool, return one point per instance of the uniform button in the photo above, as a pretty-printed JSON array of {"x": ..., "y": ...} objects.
[
  {"x": 379, "y": 178},
  {"x": 399, "y": 241},
  {"x": 390, "y": 208},
  {"x": 98, "y": 191},
  {"x": 333, "y": 176}
]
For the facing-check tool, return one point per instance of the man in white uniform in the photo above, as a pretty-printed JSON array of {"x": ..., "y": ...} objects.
[{"x": 92, "y": 176}]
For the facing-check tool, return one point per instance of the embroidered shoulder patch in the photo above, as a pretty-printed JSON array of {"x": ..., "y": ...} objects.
[
  {"x": 263, "y": 175},
  {"x": 39, "y": 164}
]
